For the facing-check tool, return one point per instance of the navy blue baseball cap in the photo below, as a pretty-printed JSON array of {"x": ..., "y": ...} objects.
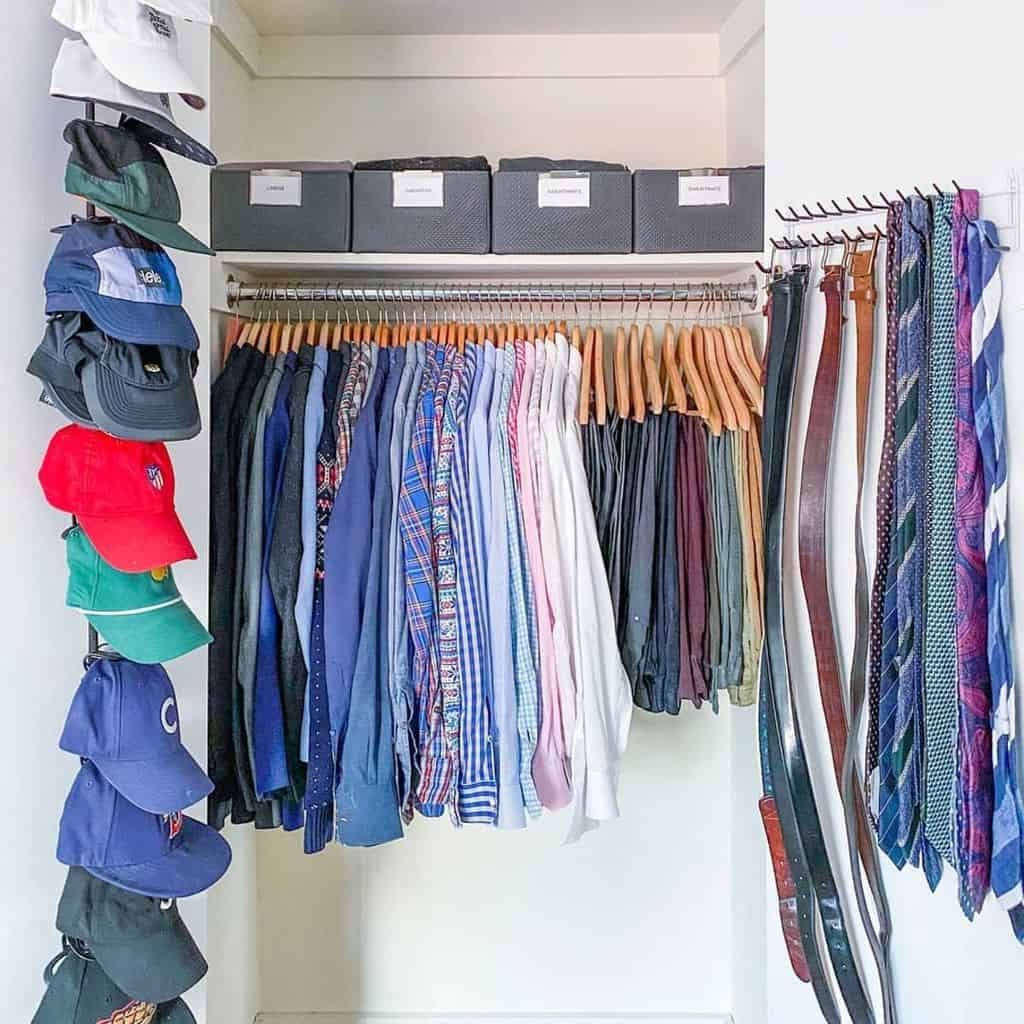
[
  {"x": 124, "y": 718},
  {"x": 163, "y": 855},
  {"x": 125, "y": 283}
]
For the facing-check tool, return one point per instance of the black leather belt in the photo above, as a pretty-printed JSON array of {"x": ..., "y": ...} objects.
[{"x": 782, "y": 744}]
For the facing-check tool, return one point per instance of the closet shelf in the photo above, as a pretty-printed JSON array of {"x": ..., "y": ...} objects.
[{"x": 278, "y": 265}]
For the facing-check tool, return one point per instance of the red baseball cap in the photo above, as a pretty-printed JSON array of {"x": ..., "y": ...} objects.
[{"x": 121, "y": 492}]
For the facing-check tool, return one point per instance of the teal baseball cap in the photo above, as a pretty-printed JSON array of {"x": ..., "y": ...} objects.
[{"x": 142, "y": 615}]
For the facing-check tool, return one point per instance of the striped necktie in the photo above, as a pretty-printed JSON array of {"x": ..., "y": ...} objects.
[{"x": 989, "y": 401}]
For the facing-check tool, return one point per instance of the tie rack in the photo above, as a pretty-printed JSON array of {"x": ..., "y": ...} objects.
[{"x": 413, "y": 294}]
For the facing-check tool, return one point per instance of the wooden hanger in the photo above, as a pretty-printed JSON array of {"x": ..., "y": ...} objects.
[
  {"x": 636, "y": 383},
  {"x": 670, "y": 366},
  {"x": 713, "y": 416},
  {"x": 586, "y": 374},
  {"x": 692, "y": 380},
  {"x": 620, "y": 360},
  {"x": 652, "y": 383},
  {"x": 600, "y": 382},
  {"x": 749, "y": 384},
  {"x": 713, "y": 348}
]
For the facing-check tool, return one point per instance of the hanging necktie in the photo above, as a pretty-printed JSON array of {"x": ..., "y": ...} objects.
[
  {"x": 974, "y": 738},
  {"x": 990, "y": 427}
]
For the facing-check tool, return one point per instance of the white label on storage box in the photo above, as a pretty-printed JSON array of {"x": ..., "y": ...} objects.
[
  {"x": 703, "y": 189},
  {"x": 275, "y": 188},
  {"x": 418, "y": 188},
  {"x": 563, "y": 188}
]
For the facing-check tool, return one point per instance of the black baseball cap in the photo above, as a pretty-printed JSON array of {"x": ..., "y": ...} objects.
[
  {"x": 127, "y": 177},
  {"x": 79, "y": 992},
  {"x": 141, "y": 943},
  {"x": 131, "y": 391}
]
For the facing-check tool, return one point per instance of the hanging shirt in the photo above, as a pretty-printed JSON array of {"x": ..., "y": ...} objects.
[
  {"x": 604, "y": 706},
  {"x": 511, "y": 813},
  {"x": 402, "y": 700},
  {"x": 415, "y": 521},
  {"x": 229, "y": 402},
  {"x": 367, "y": 798},
  {"x": 524, "y": 667},
  {"x": 441, "y": 766},
  {"x": 478, "y": 785},
  {"x": 270, "y": 768},
  {"x": 551, "y": 761},
  {"x": 692, "y": 543}
]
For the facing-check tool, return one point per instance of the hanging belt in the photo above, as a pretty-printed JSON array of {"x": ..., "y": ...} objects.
[
  {"x": 859, "y": 834},
  {"x": 780, "y": 733}
]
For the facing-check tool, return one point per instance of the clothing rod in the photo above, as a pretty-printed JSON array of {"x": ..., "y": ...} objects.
[{"x": 305, "y": 291}]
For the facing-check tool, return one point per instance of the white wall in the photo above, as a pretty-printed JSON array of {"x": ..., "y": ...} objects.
[
  {"x": 643, "y": 122},
  {"x": 834, "y": 136},
  {"x": 41, "y": 659},
  {"x": 744, "y": 106}
]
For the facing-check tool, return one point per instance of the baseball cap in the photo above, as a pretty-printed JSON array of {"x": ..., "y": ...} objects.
[
  {"x": 121, "y": 492},
  {"x": 190, "y": 10},
  {"x": 126, "y": 283},
  {"x": 127, "y": 178},
  {"x": 162, "y": 855},
  {"x": 134, "y": 42},
  {"x": 61, "y": 385},
  {"x": 79, "y": 992},
  {"x": 134, "y": 392},
  {"x": 124, "y": 718},
  {"x": 141, "y": 943},
  {"x": 78, "y": 75},
  {"x": 140, "y": 614}
]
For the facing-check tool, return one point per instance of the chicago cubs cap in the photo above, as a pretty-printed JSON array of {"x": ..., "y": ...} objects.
[
  {"x": 134, "y": 392},
  {"x": 140, "y": 614},
  {"x": 126, "y": 177},
  {"x": 141, "y": 943},
  {"x": 78, "y": 75},
  {"x": 124, "y": 718},
  {"x": 79, "y": 992},
  {"x": 163, "y": 855},
  {"x": 134, "y": 42},
  {"x": 126, "y": 283},
  {"x": 122, "y": 493}
]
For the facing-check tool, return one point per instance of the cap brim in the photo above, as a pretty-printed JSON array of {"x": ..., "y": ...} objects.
[
  {"x": 142, "y": 67},
  {"x": 174, "y": 1012},
  {"x": 139, "y": 543},
  {"x": 141, "y": 323},
  {"x": 140, "y": 413},
  {"x": 68, "y": 403},
  {"x": 199, "y": 858},
  {"x": 189, "y": 10},
  {"x": 161, "y": 132},
  {"x": 153, "y": 637},
  {"x": 156, "y": 968},
  {"x": 166, "y": 232},
  {"x": 159, "y": 785}
]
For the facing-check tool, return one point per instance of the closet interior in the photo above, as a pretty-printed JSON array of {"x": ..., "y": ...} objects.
[{"x": 652, "y": 86}]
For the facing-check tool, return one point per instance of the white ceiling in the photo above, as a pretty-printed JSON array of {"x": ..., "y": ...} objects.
[{"x": 484, "y": 17}]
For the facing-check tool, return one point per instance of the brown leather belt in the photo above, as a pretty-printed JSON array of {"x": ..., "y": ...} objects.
[{"x": 815, "y": 578}]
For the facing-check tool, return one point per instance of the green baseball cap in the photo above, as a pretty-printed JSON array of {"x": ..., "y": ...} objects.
[
  {"x": 126, "y": 177},
  {"x": 140, "y": 614}
]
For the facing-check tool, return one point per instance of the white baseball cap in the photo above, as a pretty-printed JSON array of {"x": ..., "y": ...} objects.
[
  {"x": 190, "y": 10},
  {"x": 78, "y": 75},
  {"x": 134, "y": 42}
]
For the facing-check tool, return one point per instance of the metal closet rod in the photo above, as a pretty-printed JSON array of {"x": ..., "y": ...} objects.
[{"x": 307, "y": 291}]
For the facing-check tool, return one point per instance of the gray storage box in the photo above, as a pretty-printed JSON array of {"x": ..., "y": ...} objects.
[
  {"x": 421, "y": 211},
  {"x": 562, "y": 212},
  {"x": 281, "y": 207},
  {"x": 704, "y": 210}
]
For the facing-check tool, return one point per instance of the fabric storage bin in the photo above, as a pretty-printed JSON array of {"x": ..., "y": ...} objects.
[
  {"x": 562, "y": 212},
  {"x": 421, "y": 211},
  {"x": 281, "y": 207},
  {"x": 705, "y": 210}
]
